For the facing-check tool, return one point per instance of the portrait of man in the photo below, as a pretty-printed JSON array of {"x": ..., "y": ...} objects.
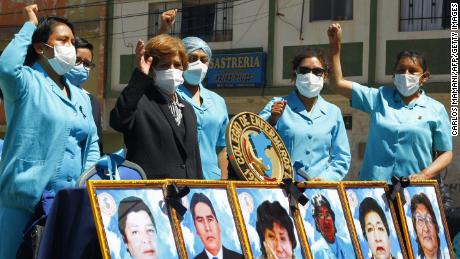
[
  {"x": 209, "y": 230},
  {"x": 331, "y": 245},
  {"x": 276, "y": 231},
  {"x": 137, "y": 227},
  {"x": 426, "y": 227},
  {"x": 374, "y": 226}
]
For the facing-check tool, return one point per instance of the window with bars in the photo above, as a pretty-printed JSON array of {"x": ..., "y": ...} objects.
[
  {"x": 331, "y": 10},
  {"x": 210, "y": 20},
  {"x": 424, "y": 15}
]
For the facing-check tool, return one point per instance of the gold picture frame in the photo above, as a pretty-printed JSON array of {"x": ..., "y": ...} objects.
[
  {"x": 119, "y": 203},
  {"x": 424, "y": 193},
  {"x": 253, "y": 195},
  {"x": 368, "y": 204},
  {"x": 212, "y": 192},
  {"x": 330, "y": 196}
]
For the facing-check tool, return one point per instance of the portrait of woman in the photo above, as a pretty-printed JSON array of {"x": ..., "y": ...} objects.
[
  {"x": 137, "y": 227},
  {"x": 424, "y": 223},
  {"x": 375, "y": 225},
  {"x": 136, "y": 223},
  {"x": 324, "y": 220},
  {"x": 270, "y": 226}
]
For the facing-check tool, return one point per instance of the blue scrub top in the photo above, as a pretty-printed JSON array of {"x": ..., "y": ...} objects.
[
  {"x": 340, "y": 249},
  {"x": 401, "y": 137},
  {"x": 318, "y": 140},
  {"x": 41, "y": 123},
  {"x": 212, "y": 120},
  {"x": 80, "y": 130}
]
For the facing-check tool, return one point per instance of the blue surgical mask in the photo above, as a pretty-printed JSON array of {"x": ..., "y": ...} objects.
[
  {"x": 77, "y": 75},
  {"x": 195, "y": 72}
]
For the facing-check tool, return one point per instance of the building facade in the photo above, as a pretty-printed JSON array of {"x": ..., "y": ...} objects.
[
  {"x": 274, "y": 30},
  {"x": 373, "y": 33}
]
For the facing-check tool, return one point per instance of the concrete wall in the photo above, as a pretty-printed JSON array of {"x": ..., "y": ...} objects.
[
  {"x": 250, "y": 26},
  {"x": 287, "y": 32},
  {"x": 250, "y": 30},
  {"x": 388, "y": 29},
  {"x": 127, "y": 29}
]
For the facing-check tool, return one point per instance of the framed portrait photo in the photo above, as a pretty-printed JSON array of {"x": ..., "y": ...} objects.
[
  {"x": 268, "y": 222},
  {"x": 209, "y": 228},
  {"x": 374, "y": 219},
  {"x": 424, "y": 222},
  {"x": 325, "y": 220},
  {"x": 132, "y": 219}
]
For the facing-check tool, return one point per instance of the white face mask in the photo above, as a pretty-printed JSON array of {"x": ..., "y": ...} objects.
[
  {"x": 168, "y": 80},
  {"x": 309, "y": 85},
  {"x": 195, "y": 73},
  {"x": 406, "y": 84},
  {"x": 64, "y": 59}
]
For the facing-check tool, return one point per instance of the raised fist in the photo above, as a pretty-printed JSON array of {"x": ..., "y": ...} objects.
[
  {"x": 277, "y": 111},
  {"x": 168, "y": 18},
  {"x": 30, "y": 13}
]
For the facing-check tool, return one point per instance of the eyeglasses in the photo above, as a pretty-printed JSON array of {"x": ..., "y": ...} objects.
[
  {"x": 88, "y": 65},
  {"x": 420, "y": 220},
  {"x": 317, "y": 71}
]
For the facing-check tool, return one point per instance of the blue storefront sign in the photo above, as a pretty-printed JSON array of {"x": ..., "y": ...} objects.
[{"x": 237, "y": 70}]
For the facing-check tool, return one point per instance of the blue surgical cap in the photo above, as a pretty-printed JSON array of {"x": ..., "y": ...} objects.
[{"x": 193, "y": 43}]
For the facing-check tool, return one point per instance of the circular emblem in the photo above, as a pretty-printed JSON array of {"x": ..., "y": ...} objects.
[
  {"x": 255, "y": 149},
  {"x": 106, "y": 204}
]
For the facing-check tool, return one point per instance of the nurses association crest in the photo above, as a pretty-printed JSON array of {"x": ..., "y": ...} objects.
[
  {"x": 256, "y": 151},
  {"x": 106, "y": 204}
]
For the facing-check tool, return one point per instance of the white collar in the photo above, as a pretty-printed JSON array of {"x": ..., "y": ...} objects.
[{"x": 220, "y": 254}]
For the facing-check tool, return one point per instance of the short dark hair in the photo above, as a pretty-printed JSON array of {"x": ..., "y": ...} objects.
[
  {"x": 416, "y": 200},
  {"x": 368, "y": 205},
  {"x": 307, "y": 53},
  {"x": 128, "y": 205},
  {"x": 317, "y": 201},
  {"x": 267, "y": 214},
  {"x": 415, "y": 56},
  {"x": 200, "y": 197},
  {"x": 81, "y": 43},
  {"x": 42, "y": 33}
]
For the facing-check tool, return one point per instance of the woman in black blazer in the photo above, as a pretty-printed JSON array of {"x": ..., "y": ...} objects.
[{"x": 159, "y": 128}]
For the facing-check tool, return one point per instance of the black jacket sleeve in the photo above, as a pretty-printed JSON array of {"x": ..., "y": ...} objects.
[{"x": 123, "y": 114}]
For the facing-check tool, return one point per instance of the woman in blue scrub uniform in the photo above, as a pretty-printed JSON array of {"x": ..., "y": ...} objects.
[
  {"x": 312, "y": 128},
  {"x": 210, "y": 108},
  {"x": 51, "y": 137},
  {"x": 409, "y": 132}
]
